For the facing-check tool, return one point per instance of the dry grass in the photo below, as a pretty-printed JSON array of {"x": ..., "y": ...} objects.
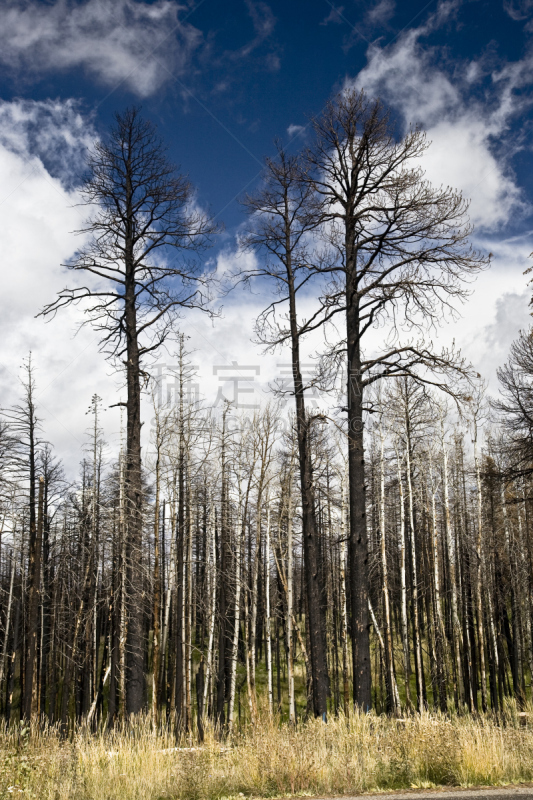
[{"x": 365, "y": 753}]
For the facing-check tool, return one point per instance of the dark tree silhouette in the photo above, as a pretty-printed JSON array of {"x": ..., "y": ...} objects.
[
  {"x": 400, "y": 252},
  {"x": 139, "y": 275},
  {"x": 282, "y": 216}
]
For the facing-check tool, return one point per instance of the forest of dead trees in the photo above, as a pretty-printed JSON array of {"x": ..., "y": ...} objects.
[
  {"x": 224, "y": 603},
  {"x": 377, "y": 553}
]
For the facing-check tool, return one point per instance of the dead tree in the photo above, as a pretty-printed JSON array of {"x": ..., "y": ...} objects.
[
  {"x": 134, "y": 286},
  {"x": 24, "y": 426},
  {"x": 399, "y": 251},
  {"x": 282, "y": 216}
]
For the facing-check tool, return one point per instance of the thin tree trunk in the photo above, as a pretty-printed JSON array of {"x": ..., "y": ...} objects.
[
  {"x": 358, "y": 542},
  {"x": 30, "y": 678},
  {"x": 516, "y": 655},
  {"x": 290, "y": 601},
  {"x": 344, "y": 608},
  {"x": 456, "y": 628},
  {"x": 392, "y": 688},
  {"x": 479, "y": 576},
  {"x": 403, "y": 588},
  {"x": 251, "y": 656},
  {"x": 237, "y": 608},
  {"x": 212, "y": 592},
  {"x": 156, "y": 642},
  {"x": 267, "y": 612},
  {"x": 316, "y": 622},
  {"x": 188, "y": 620},
  {"x": 440, "y": 635},
  {"x": 419, "y": 667},
  {"x": 525, "y": 588},
  {"x": 8, "y": 620}
]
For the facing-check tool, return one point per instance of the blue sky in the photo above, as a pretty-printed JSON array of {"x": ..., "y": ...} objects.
[{"x": 222, "y": 80}]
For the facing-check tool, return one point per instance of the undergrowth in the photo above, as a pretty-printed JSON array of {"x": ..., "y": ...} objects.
[{"x": 271, "y": 759}]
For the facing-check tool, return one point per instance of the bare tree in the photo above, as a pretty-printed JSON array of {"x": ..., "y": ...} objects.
[
  {"x": 400, "y": 253},
  {"x": 134, "y": 289},
  {"x": 283, "y": 214},
  {"x": 515, "y": 403},
  {"x": 25, "y": 427}
]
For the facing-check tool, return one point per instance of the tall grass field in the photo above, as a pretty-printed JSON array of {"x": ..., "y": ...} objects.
[{"x": 364, "y": 753}]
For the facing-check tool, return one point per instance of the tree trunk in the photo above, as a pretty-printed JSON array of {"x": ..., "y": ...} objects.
[
  {"x": 30, "y": 676},
  {"x": 268, "y": 633},
  {"x": 479, "y": 577},
  {"x": 156, "y": 642},
  {"x": 344, "y": 609},
  {"x": 440, "y": 637},
  {"x": 403, "y": 588},
  {"x": 419, "y": 666},
  {"x": 516, "y": 659},
  {"x": 358, "y": 540},
  {"x": 316, "y": 622},
  {"x": 7, "y": 622},
  {"x": 237, "y": 609},
  {"x": 290, "y": 602},
  {"x": 393, "y": 699},
  {"x": 456, "y": 629},
  {"x": 134, "y": 679}
]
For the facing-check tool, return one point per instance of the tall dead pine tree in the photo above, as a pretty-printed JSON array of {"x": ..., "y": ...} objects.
[
  {"x": 283, "y": 213},
  {"x": 25, "y": 429},
  {"x": 399, "y": 248},
  {"x": 142, "y": 211}
]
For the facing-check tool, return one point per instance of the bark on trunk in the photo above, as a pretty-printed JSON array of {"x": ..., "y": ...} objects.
[
  {"x": 393, "y": 699},
  {"x": 316, "y": 623},
  {"x": 134, "y": 678},
  {"x": 456, "y": 629},
  {"x": 403, "y": 589},
  {"x": 30, "y": 676},
  {"x": 358, "y": 539}
]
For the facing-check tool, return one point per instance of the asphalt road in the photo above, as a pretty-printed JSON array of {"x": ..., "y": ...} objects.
[{"x": 488, "y": 793}]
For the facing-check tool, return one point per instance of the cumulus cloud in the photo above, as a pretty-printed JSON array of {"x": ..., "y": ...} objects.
[
  {"x": 126, "y": 41},
  {"x": 470, "y": 110},
  {"x": 39, "y": 213},
  {"x": 50, "y": 133},
  {"x": 463, "y": 129}
]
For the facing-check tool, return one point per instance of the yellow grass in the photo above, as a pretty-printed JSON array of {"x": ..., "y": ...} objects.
[{"x": 365, "y": 753}]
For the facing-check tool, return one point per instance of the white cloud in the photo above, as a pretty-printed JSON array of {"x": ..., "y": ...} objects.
[
  {"x": 519, "y": 9},
  {"x": 296, "y": 130},
  {"x": 262, "y": 17},
  {"x": 39, "y": 213},
  {"x": 230, "y": 260},
  {"x": 381, "y": 12},
  {"x": 468, "y": 113},
  {"x": 38, "y": 217},
  {"x": 496, "y": 311},
  {"x": 125, "y": 41},
  {"x": 264, "y": 22},
  {"x": 463, "y": 130},
  {"x": 53, "y": 132}
]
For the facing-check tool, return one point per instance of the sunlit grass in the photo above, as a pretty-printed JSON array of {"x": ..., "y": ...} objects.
[{"x": 364, "y": 753}]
